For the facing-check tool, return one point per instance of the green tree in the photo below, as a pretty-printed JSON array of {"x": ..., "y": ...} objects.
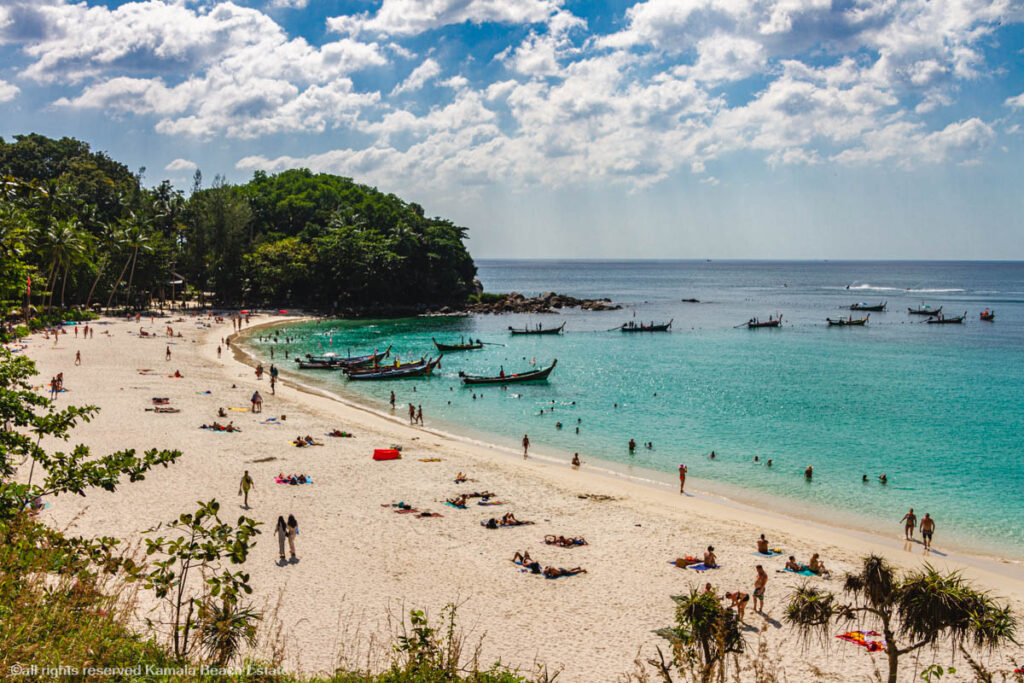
[
  {"x": 705, "y": 632},
  {"x": 913, "y": 610}
]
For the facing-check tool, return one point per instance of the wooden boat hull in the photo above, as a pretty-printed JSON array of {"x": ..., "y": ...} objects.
[
  {"x": 398, "y": 373},
  {"x": 456, "y": 347},
  {"x": 551, "y": 330},
  {"x": 924, "y": 311},
  {"x": 649, "y": 328},
  {"x": 847, "y": 323},
  {"x": 872, "y": 309},
  {"x": 518, "y": 378},
  {"x": 346, "y": 362},
  {"x": 947, "y": 321},
  {"x": 305, "y": 365},
  {"x": 363, "y": 370}
]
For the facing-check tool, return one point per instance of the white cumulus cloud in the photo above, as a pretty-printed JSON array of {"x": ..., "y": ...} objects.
[
  {"x": 8, "y": 91},
  {"x": 181, "y": 165}
]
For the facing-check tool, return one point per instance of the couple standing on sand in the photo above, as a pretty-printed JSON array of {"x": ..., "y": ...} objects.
[{"x": 286, "y": 530}]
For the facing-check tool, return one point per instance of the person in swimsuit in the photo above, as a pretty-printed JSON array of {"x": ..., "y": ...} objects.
[
  {"x": 682, "y": 477},
  {"x": 244, "y": 487},
  {"x": 816, "y": 565},
  {"x": 555, "y": 572},
  {"x": 575, "y": 461},
  {"x": 759, "y": 585},
  {"x": 809, "y": 472},
  {"x": 910, "y": 520},
  {"x": 527, "y": 561},
  {"x": 526, "y": 445},
  {"x": 762, "y": 545},
  {"x": 792, "y": 565},
  {"x": 739, "y": 602},
  {"x": 710, "y": 561},
  {"x": 281, "y": 531},
  {"x": 927, "y": 529}
]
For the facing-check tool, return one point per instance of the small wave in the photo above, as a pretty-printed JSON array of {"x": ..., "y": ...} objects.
[
  {"x": 872, "y": 288},
  {"x": 934, "y": 291}
]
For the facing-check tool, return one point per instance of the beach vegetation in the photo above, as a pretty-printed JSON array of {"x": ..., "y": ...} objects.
[
  {"x": 705, "y": 633},
  {"x": 86, "y": 231},
  {"x": 204, "y": 599},
  {"x": 916, "y": 609}
]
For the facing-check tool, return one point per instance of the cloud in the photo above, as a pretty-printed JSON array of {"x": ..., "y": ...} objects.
[
  {"x": 426, "y": 71},
  {"x": 288, "y": 4},
  {"x": 8, "y": 91},
  {"x": 1015, "y": 102},
  {"x": 411, "y": 17},
  {"x": 181, "y": 165}
]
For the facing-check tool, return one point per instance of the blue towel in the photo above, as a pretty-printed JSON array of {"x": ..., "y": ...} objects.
[
  {"x": 802, "y": 572},
  {"x": 768, "y": 554},
  {"x": 700, "y": 567},
  {"x": 453, "y": 505}
]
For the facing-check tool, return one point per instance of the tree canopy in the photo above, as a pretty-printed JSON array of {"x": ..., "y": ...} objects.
[{"x": 84, "y": 228}]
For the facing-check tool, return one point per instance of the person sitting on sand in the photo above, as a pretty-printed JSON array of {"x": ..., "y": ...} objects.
[
  {"x": 221, "y": 412},
  {"x": 460, "y": 477},
  {"x": 708, "y": 588},
  {"x": 792, "y": 565},
  {"x": 762, "y": 545},
  {"x": 739, "y": 602},
  {"x": 710, "y": 561},
  {"x": 816, "y": 565},
  {"x": 555, "y": 572},
  {"x": 299, "y": 442},
  {"x": 458, "y": 501},
  {"x": 177, "y": 374}
]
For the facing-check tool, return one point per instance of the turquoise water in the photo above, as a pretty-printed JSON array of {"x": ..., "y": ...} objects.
[{"x": 937, "y": 408}]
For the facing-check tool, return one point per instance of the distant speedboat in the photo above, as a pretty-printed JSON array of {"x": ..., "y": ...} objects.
[
  {"x": 847, "y": 322},
  {"x": 988, "y": 315},
  {"x": 862, "y": 306}
]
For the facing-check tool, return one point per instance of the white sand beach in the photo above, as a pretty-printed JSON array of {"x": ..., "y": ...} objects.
[{"x": 358, "y": 561}]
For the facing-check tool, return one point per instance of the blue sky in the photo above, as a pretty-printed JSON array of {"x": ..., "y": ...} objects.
[{"x": 561, "y": 128}]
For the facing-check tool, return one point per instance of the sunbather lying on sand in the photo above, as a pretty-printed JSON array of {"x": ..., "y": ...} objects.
[
  {"x": 218, "y": 427},
  {"x": 555, "y": 572},
  {"x": 292, "y": 479},
  {"x": 338, "y": 432},
  {"x": 458, "y": 501},
  {"x": 527, "y": 561},
  {"x": 164, "y": 409},
  {"x": 564, "y": 542},
  {"x": 311, "y": 441}
]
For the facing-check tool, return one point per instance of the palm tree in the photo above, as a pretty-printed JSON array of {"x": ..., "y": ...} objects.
[
  {"x": 920, "y": 608},
  {"x": 63, "y": 244},
  {"x": 705, "y": 632},
  {"x": 133, "y": 237}
]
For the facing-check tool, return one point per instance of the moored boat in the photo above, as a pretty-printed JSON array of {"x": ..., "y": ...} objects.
[
  {"x": 988, "y": 315},
  {"x": 401, "y": 372},
  {"x": 464, "y": 346},
  {"x": 924, "y": 310},
  {"x": 755, "y": 323},
  {"x": 396, "y": 365},
  {"x": 334, "y": 359},
  {"x": 939, "y": 320},
  {"x": 514, "y": 378},
  {"x": 847, "y": 322},
  {"x": 863, "y": 306},
  {"x": 652, "y": 327},
  {"x": 537, "y": 330},
  {"x": 316, "y": 365}
]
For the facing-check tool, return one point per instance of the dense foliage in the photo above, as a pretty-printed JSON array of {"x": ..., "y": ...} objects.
[{"x": 87, "y": 232}]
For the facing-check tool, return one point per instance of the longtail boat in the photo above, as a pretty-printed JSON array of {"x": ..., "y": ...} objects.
[
  {"x": 939, "y": 320},
  {"x": 924, "y": 310},
  {"x": 988, "y": 315},
  {"x": 316, "y": 365},
  {"x": 846, "y": 322},
  {"x": 537, "y": 330},
  {"x": 515, "y": 378},
  {"x": 335, "y": 359},
  {"x": 754, "y": 323},
  {"x": 653, "y": 327},
  {"x": 401, "y": 372},
  {"x": 470, "y": 346},
  {"x": 862, "y": 306},
  {"x": 397, "y": 365}
]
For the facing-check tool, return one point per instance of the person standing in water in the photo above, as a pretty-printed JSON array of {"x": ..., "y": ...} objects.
[
  {"x": 575, "y": 461},
  {"x": 244, "y": 486},
  {"x": 419, "y": 414},
  {"x": 526, "y": 445},
  {"x": 412, "y": 414},
  {"x": 927, "y": 529},
  {"x": 392, "y": 400},
  {"x": 682, "y": 478},
  {"x": 911, "y": 521}
]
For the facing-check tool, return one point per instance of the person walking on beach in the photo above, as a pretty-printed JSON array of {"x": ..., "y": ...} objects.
[
  {"x": 257, "y": 402},
  {"x": 759, "y": 584},
  {"x": 682, "y": 478},
  {"x": 281, "y": 531},
  {"x": 259, "y": 371},
  {"x": 78, "y": 356},
  {"x": 911, "y": 521},
  {"x": 412, "y": 414},
  {"x": 293, "y": 531},
  {"x": 167, "y": 356},
  {"x": 419, "y": 414},
  {"x": 273, "y": 382},
  {"x": 218, "y": 352},
  {"x": 526, "y": 445},
  {"x": 392, "y": 401},
  {"x": 927, "y": 529},
  {"x": 244, "y": 486}
]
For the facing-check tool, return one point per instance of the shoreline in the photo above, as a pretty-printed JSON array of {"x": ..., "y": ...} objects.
[
  {"x": 360, "y": 565},
  {"x": 614, "y": 471}
]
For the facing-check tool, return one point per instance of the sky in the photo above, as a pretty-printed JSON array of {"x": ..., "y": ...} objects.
[{"x": 564, "y": 128}]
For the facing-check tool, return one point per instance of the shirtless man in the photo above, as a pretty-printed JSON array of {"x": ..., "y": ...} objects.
[
  {"x": 759, "y": 584},
  {"x": 244, "y": 486},
  {"x": 927, "y": 529},
  {"x": 762, "y": 545},
  {"x": 911, "y": 521},
  {"x": 739, "y": 602}
]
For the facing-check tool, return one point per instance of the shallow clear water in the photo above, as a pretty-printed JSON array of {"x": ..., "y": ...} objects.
[{"x": 938, "y": 408}]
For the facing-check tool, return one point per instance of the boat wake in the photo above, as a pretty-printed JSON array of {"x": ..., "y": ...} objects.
[{"x": 875, "y": 288}]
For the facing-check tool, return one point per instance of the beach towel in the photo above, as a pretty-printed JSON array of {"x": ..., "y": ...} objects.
[
  {"x": 491, "y": 502},
  {"x": 861, "y": 638},
  {"x": 239, "y": 410},
  {"x": 772, "y": 552},
  {"x": 270, "y": 421},
  {"x": 164, "y": 409},
  {"x": 430, "y": 459},
  {"x": 701, "y": 567},
  {"x": 453, "y": 505},
  {"x": 803, "y": 572},
  {"x": 204, "y": 392},
  {"x": 564, "y": 576}
]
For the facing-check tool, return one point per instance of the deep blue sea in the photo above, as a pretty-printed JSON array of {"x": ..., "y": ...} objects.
[{"x": 938, "y": 408}]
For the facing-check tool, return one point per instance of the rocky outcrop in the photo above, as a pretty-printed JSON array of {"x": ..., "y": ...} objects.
[{"x": 545, "y": 303}]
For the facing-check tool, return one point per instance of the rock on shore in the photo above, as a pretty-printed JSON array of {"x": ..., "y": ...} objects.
[{"x": 550, "y": 302}]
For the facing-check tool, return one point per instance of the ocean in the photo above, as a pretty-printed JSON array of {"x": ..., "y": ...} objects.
[{"x": 939, "y": 409}]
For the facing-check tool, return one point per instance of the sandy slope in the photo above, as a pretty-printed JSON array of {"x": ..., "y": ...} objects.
[{"x": 358, "y": 561}]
